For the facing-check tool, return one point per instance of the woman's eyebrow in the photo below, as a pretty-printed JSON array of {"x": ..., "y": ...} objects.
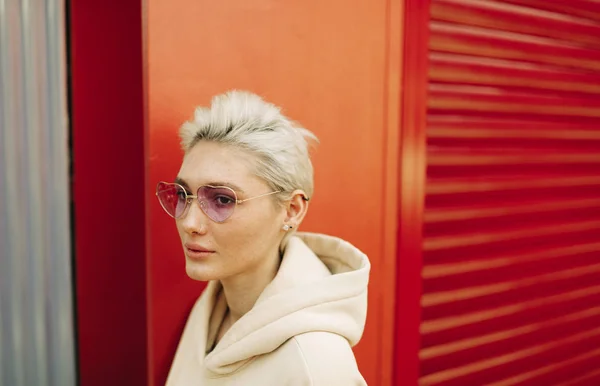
[
  {"x": 182, "y": 182},
  {"x": 228, "y": 184}
]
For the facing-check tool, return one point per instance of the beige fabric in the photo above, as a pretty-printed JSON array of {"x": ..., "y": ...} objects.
[{"x": 299, "y": 332}]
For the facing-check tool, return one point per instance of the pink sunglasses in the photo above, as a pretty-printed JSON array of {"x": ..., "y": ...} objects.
[{"x": 217, "y": 202}]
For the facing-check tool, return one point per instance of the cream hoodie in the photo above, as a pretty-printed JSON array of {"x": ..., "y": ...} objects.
[{"x": 299, "y": 332}]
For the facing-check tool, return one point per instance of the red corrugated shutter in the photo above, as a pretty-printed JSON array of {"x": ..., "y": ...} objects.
[{"x": 511, "y": 274}]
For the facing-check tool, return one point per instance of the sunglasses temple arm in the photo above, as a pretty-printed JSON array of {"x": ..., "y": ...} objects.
[{"x": 262, "y": 195}]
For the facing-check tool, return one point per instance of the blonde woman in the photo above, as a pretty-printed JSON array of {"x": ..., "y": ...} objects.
[{"x": 281, "y": 307}]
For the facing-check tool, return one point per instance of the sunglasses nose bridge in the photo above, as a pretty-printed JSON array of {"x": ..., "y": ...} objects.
[
  {"x": 201, "y": 203},
  {"x": 194, "y": 217}
]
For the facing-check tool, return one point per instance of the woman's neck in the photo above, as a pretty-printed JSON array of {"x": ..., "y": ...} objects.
[{"x": 242, "y": 291}]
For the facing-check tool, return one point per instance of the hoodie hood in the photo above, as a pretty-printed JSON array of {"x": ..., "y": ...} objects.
[{"x": 321, "y": 285}]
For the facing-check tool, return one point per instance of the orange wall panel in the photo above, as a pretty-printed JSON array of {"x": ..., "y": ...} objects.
[{"x": 325, "y": 63}]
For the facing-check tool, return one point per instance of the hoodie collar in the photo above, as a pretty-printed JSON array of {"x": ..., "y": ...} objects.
[{"x": 321, "y": 285}]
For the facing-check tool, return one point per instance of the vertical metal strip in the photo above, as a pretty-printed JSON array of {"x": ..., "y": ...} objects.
[{"x": 36, "y": 321}]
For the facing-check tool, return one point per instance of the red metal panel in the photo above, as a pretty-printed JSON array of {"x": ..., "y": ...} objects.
[
  {"x": 511, "y": 268},
  {"x": 588, "y": 9},
  {"x": 470, "y": 70},
  {"x": 108, "y": 191},
  {"x": 506, "y": 17},
  {"x": 489, "y": 43},
  {"x": 413, "y": 106}
]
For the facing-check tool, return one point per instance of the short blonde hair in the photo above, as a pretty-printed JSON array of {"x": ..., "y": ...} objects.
[{"x": 244, "y": 120}]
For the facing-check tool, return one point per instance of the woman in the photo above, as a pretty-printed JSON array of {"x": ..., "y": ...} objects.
[{"x": 281, "y": 308}]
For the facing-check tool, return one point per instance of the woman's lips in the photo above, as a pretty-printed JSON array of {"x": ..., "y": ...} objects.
[{"x": 194, "y": 251}]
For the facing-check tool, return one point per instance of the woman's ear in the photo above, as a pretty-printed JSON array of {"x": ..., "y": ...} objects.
[{"x": 296, "y": 209}]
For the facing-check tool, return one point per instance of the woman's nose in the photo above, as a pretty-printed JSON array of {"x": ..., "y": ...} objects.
[{"x": 195, "y": 220}]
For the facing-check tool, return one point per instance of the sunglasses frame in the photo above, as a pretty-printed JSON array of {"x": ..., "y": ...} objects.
[{"x": 190, "y": 197}]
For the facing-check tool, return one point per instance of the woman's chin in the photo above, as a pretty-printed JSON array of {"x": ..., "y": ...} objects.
[{"x": 200, "y": 272}]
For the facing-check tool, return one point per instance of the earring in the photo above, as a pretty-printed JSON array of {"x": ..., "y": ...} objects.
[{"x": 287, "y": 227}]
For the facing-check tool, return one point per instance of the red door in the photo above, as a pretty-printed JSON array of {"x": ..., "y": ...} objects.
[{"x": 511, "y": 244}]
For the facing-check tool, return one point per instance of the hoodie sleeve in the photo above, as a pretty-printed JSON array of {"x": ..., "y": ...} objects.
[{"x": 328, "y": 360}]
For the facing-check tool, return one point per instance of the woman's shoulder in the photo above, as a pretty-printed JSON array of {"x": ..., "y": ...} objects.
[{"x": 327, "y": 358}]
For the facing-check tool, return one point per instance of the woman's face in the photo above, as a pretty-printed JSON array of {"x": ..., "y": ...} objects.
[{"x": 241, "y": 243}]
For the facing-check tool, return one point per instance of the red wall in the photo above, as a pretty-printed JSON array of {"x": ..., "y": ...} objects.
[
  {"x": 108, "y": 162},
  {"x": 459, "y": 149},
  {"x": 326, "y": 64},
  {"x": 136, "y": 65}
]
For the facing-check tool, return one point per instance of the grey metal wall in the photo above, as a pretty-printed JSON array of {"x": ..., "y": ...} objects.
[{"x": 36, "y": 313}]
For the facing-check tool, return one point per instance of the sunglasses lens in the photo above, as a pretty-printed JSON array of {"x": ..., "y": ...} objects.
[
  {"x": 172, "y": 198},
  {"x": 217, "y": 203}
]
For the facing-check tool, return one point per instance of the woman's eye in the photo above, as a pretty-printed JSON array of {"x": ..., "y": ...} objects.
[
  {"x": 224, "y": 200},
  {"x": 182, "y": 195}
]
